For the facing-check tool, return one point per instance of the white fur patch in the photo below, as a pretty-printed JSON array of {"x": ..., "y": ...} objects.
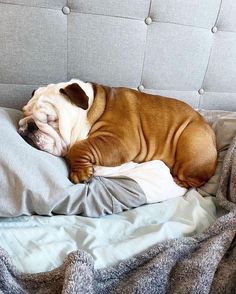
[{"x": 70, "y": 122}]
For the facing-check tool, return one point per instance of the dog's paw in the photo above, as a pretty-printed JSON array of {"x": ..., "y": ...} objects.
[
  {"x": 180, "y": 183},
  {"x": 81, "y": 175}
]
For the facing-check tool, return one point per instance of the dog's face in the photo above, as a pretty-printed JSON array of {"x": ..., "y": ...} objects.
[{"x": 56, "y": 116}]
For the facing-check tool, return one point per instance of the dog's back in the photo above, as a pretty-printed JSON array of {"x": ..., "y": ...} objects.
[{"x": 153, "y": 127}]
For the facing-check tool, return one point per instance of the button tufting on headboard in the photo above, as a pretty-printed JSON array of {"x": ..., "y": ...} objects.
[
  {"x": 174, "y": 48},
  {"x": 66, "y": 10},
  {"x": 214, "y": 29},
  {"x": 148, "y": 20},
  {"x": 201, "y": 91},
  {"x": 141, "y": 88}
]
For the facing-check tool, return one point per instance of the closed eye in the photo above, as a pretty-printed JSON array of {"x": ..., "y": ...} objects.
[
  {"x": 52, "y": 121},
  {"x": 51, "y": 118}
]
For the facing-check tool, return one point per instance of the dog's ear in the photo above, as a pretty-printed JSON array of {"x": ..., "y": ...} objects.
[{"x": 76, "y": 95}]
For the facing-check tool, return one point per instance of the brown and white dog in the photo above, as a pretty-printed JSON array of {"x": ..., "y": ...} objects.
[{"x": 91, "y": 124}]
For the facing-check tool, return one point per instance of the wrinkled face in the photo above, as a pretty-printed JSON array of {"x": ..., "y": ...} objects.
[{"x": 50, "y": 117}]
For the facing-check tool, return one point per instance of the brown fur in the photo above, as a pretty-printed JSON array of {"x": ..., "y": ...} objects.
[
  {"x": 131, "y": 126},
  {"x": 76, "y": 95}
]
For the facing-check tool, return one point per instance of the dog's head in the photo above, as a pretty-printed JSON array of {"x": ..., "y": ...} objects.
[{"x": 56, "y": 116}]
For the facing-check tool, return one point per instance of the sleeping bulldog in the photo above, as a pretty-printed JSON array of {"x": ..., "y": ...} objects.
[{"x": 91, "y": 124}]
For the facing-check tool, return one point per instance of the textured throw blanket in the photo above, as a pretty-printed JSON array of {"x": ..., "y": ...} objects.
[{"x": 204, "y": 263}]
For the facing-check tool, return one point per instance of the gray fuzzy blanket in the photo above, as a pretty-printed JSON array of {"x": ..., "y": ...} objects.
[{"x": 204, "y": 263}]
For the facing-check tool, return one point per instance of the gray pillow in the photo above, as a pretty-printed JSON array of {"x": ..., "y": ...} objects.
[
  {"x": 35, "y": 182},
  {"x": 224, "y": 125}
]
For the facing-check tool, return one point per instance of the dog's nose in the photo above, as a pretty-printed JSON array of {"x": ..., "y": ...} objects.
[{"x": 32, "y": 127}]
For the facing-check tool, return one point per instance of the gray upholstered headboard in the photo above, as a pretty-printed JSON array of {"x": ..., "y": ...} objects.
[{"x": 181, "y": 48}]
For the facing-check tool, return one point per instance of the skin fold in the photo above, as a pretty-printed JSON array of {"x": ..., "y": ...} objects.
[{"x": 131, "y": 126}]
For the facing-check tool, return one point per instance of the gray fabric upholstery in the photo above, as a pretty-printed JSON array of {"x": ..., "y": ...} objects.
[{"x": 183, "y": 47}]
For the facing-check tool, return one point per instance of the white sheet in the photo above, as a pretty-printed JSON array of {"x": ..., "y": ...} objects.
[
  {"x": 41, "y": 243},
  {"x": 153, "y": 177}
]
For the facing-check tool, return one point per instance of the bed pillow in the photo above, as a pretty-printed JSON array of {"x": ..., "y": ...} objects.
[
  {"x": 224, "y": 125},
  {"x": 36, "y": 182}
]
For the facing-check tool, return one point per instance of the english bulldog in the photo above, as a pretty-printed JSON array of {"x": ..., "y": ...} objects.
[{"x": 91, "y": 124}]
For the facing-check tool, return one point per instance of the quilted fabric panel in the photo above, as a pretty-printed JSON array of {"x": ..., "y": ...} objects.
[
  {"x": 221, "y": 73},
  {"x": 53, "y": 4},
  {"x": 176, "y": 54},
  {"x": 104, "y": 49},
  {"x": 137, "y": 9},
  {"x": 15, "y": 95},
  {"x": 218, "y": 100},
  {"x": 33, "y": 45},
  {"x": 183, "y": 48},
  {"x": 227, "y": 16},
  {"x": 199, "y": 13}
]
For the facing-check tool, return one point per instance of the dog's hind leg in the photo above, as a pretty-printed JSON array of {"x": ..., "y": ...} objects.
[{"x": 196, "y": 155}]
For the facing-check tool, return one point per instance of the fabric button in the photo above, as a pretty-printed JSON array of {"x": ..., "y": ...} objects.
[
  {"x": 201, "y": 91},
  {"x": 214, "y": 29},
  {"x": 66, "y": 10},
  {"x": 140, "y": 88},
  {"x": 148, "y": 21}
]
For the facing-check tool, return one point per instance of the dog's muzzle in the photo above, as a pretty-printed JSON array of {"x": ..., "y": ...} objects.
[{"x": 27, "y": 133}]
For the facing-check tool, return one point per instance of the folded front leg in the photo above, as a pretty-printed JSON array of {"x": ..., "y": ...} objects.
[{"x": 99, "y": 150}]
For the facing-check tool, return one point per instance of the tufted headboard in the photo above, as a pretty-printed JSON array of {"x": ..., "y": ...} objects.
[{"x": 183, "y": 48}]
